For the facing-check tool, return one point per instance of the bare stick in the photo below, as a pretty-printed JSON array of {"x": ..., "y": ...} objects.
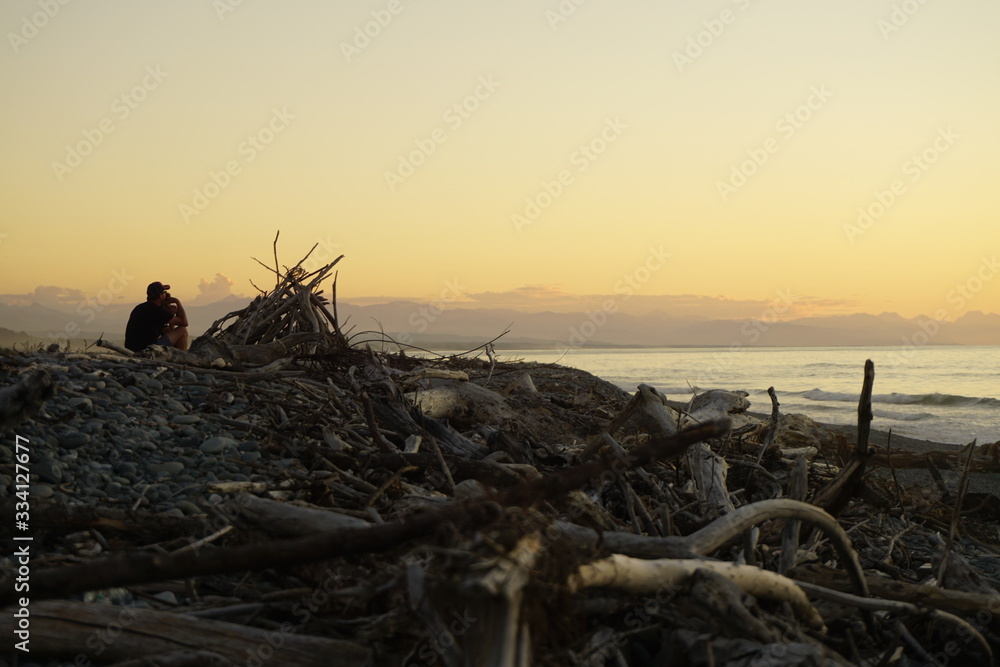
[
  {"x": 790, "y": 537},
  {"x": 773, "y": 425},
  {"x": 963, "y": 486},
  {"x": 836, "y": 494},
  {"x": 100, "y": 342},
  {"x": 874, "y": 604},
  {"x": 377, "y": 436},
  {"x": 443, "y": 463},
  {"x": 277, "y": 273}
]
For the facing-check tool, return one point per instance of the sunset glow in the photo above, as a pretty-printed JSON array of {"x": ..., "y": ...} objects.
[{"x": 843, "y": 151}]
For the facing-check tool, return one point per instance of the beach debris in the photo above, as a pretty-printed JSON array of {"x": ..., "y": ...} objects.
[{"x": 283, "y": 488}]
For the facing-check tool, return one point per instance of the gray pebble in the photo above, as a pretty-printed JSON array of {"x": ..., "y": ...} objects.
[
  {"x": 73, "y": 439},
  {"x": 170, "y": 467},
  {"x": 217, "y": 445},
  {"x": 151, "y": 385},
  {"x": 188, "y": 507},
  {"x": 187, "y": 419},
  {"x": 127, "y": 468},
  {"x": 48, "y": 471},
  {"x": 80, "y": 403},
  {"x": 41, "y": 490},
  {"x": 171, "y": 405}
]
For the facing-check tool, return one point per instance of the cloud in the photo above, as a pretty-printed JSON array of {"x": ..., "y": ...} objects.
[
  {"x": 538, "y": 298},
  {"x": 51, "y": 296},
  {"x": 217, "y": 289},
  {"x": 531, "y": 298}
]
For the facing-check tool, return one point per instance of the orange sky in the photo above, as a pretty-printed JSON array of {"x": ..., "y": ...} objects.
[{"x": 845, "y": 151}]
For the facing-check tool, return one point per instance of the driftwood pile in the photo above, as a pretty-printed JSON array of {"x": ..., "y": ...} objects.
[{"x": 454, "y": 511}]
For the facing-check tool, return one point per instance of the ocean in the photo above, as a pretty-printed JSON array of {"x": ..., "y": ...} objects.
[{"x": 948, "y": 394}]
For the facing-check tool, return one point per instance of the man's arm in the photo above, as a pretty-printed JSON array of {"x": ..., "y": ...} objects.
[{"x": 180, "y": 317}]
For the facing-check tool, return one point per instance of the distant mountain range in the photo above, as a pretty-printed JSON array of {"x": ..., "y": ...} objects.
[
  {"x": 659, "y": 329},
  {"x": 446, "y": 325}
]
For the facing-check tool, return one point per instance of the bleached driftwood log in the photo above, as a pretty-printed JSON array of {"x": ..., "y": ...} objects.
[
  {"x": 709, "y": 470},
  {"x": 717, "y": 404},
  {"x": 500, "y": 637},
  {"x": 648, "y": 409},
  {"x": 522, "y": 383},
  {"x": 462, "y": 402},
  {"x": 647, "y": 576}
]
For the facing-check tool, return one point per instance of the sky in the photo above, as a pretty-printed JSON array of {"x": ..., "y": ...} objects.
[{"x": 507, "y": 152}]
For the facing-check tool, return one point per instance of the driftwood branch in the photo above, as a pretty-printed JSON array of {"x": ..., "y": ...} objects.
[
  {"x": 847, "y": 484},
  {"x": 120, "y": 571},
  {"x": 647, "y": 576},
  {"x": 61, "y": 628}
]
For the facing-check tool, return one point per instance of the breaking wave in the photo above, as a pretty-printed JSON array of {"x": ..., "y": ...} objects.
[
  {"x": 903, "y": 399},
  {"x": 903, "y": 416}
]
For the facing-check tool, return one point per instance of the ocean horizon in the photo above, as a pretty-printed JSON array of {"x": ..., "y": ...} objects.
[{"x": 947, "y": 394}]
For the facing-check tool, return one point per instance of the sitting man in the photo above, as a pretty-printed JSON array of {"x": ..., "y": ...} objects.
[{"x": 160, "y": 320}]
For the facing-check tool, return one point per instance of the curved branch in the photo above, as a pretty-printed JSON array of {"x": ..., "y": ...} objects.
[
  {"x": 645, "y": 576},
  {"x": 732, "y": 525}
]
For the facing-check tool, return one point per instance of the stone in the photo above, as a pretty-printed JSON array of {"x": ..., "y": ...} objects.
[
  {"x": 170, "y": 467},
  {"x": 41, "y": 490},
  {"x": 48, "y": 471},
  {"x": 80, "y": 403},
  {"x": 151, "y": 385},
  {"x": 73, "y": 439},
  {"x": 217, "y": 445},
  {"x": 188, "y": 507}
]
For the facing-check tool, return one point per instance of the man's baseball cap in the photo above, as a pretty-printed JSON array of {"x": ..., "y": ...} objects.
[{"x": 156, "y": 289}]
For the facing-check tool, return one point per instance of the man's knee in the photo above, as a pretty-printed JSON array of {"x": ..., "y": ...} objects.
[{"x": 177, "y": 335}]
